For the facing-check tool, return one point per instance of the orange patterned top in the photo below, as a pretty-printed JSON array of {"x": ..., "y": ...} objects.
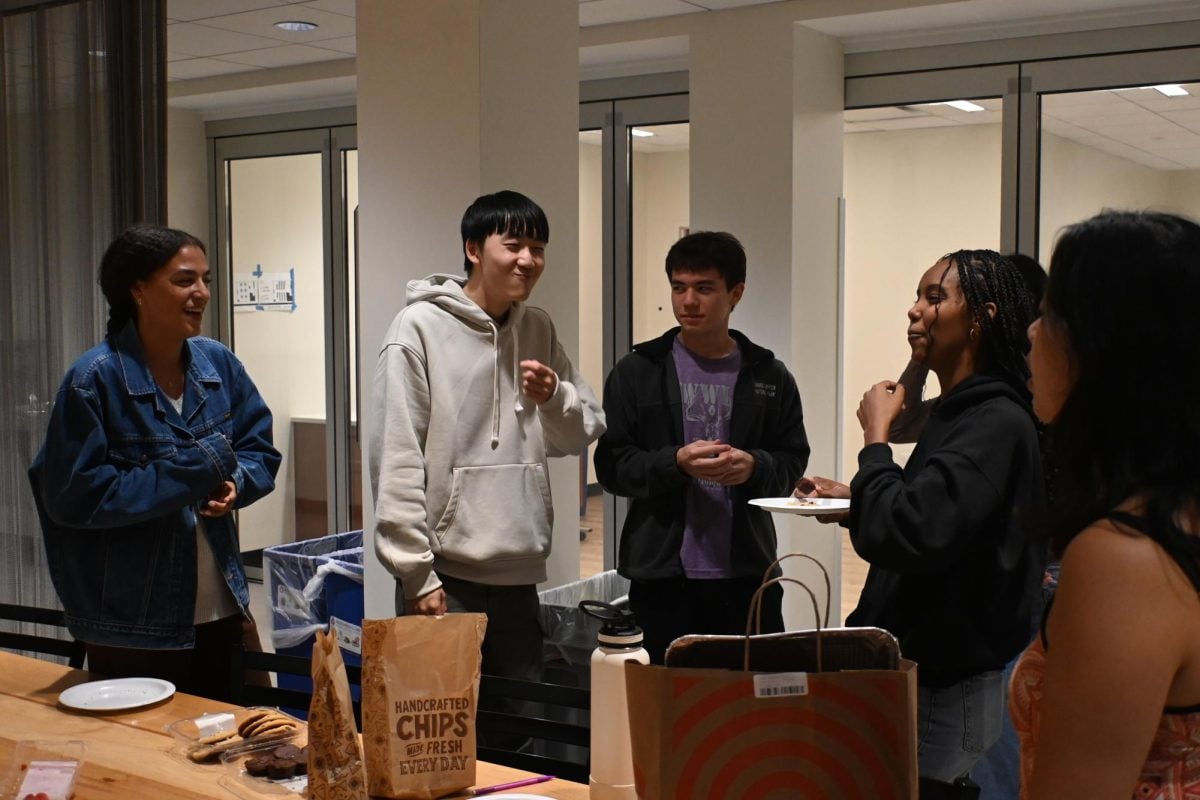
[{"x": 1172, "y": 768}]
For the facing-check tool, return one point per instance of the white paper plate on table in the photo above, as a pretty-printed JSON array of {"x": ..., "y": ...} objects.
[
  {"x": 116, "y": 694},
  {"x": 805, "y": 506}
]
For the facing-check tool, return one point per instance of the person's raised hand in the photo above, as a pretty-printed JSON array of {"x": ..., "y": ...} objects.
[
  {"x": 538, "y": 381},
  {"x": 880, "y": 406}
]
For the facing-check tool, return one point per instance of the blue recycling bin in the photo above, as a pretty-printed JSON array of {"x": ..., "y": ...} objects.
[{"x": 308, "y": 583}]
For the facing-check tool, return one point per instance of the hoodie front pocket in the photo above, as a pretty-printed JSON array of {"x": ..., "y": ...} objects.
[{"x": 497, "y": 513}]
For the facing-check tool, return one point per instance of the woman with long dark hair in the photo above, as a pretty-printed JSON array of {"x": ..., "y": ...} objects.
[
  {"x": 157, "y": 434},
  {"x": 954, "y": 572},
  {"x": 1107, "y": 698}
]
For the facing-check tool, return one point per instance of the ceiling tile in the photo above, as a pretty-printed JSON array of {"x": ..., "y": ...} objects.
[
  {"x": 189, "y": 10},
  {"x": 202, "y": 68},
  {"x": 284, "y": 56},
  {"x": 347, "y": 44},
  {"x": 602, "y": 12},
  {"x": 188, "y": 38},
  {"x": 716, "y": 5},
  {"x": 344, "y": 7},
  {"x": 262, "y": 23},
  {"x": 914, "y": 123},
  {"x": 1189, "y": 119}
]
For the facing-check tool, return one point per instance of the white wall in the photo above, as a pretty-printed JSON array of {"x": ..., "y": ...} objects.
[
  {"x": 187, "y": 173},
  {"x": 911, "y": 197},
  {"x": 1078, "y": 181},
  {"x": 660, "y": 209}
]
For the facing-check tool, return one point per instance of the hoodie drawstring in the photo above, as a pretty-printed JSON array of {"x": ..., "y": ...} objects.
[
  {"x": 519, "y": 403},
  {"x": 495, "y": 385}
]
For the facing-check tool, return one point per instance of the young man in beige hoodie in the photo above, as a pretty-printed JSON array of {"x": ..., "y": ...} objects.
[{"x": 472, "y": 392}]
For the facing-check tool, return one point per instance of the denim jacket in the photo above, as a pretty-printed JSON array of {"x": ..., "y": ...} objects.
[{"x": 119, "y": 480}]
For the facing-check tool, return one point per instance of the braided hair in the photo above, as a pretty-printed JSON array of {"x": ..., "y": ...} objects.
[
  {"x": 985, "y": 276},
  {"x": 134, "y": 256}
]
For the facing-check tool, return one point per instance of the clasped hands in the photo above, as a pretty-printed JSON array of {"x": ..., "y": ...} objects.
[
  {"x": 220, "y": 501},
  {"x": 715, "y": 461}
]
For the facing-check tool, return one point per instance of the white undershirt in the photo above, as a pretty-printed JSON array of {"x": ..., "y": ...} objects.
[{"x": 214, "y": 600}]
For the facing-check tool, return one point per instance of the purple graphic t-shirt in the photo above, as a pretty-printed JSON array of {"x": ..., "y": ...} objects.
[{"x": 706, "y": 386}]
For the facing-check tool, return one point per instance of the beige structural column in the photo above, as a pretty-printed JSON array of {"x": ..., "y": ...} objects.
[
  {"x": 457, "y": 98},
  {"x": 766, "y": 165}
]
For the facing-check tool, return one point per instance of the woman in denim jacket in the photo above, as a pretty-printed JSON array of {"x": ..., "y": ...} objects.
[{"x": 156, "y": 435}]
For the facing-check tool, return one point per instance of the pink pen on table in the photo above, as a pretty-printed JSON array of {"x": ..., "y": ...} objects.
[{"x": 501, "y": 787}]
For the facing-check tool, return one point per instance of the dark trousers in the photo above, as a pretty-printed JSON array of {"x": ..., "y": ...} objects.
[
  {"x": 203, "y": 670},
  {"x": 674, "y": 607},
  {"x": 512, "y": 645}
]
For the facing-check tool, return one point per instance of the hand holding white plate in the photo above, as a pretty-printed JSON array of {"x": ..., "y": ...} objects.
[
  {"x": 804, "y": 506},
  {"x": 116, "y": 694}
]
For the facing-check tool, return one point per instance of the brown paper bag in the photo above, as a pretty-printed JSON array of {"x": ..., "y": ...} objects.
[
  {"x": 799, "y": 726},
  {"x": 420, "y": 687},
  {"x": 335, "y": 762}
]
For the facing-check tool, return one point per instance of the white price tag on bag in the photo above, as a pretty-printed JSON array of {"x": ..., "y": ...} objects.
[
  {"x": 781, "y": 684},
  {"x": 348, "y": 635}
]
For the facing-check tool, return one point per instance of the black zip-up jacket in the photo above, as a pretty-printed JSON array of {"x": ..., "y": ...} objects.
[
  {"x": 955, "y": 571},
  {"x": 635, "y": 458}
]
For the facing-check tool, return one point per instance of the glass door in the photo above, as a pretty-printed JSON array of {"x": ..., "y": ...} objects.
[
  {"x": 283, "y": 256},
  {"x": 633, "y": 205},
  {"x": 1115, "y": 132}
]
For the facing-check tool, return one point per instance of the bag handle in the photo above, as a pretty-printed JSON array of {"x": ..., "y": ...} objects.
[
  {"x": 824, "y": 573},
  {"x": 754, "y": 615}
]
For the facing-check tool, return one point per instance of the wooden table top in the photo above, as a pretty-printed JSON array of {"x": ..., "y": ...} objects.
[{"x": 130, "y": 755}]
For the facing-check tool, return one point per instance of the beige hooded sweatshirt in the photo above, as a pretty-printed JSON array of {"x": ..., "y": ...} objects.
[{"x": 456, "y": 453}]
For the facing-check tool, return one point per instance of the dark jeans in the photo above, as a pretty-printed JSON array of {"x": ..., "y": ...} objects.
[
  {"x": 202, "y": 670},
  {"x": 668, "y": 609},
  {"x": 512, "y": 644}
]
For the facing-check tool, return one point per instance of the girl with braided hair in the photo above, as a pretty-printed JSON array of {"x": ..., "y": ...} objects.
[{"x": 955, "y": 573}]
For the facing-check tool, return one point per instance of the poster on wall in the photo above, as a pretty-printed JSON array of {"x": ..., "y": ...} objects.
[{"x": 264, "y": 291}]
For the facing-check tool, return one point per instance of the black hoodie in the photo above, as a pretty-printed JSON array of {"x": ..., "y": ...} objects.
[{"x": 955, "y": 570}]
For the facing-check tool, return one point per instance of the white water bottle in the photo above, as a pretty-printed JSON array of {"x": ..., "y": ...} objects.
[{"x": 619, "y": 641}]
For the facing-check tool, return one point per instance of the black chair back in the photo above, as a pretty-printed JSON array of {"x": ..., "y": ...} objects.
[
  {"x": 64, "y": 646},
  {"x": 538, "y": 727}
]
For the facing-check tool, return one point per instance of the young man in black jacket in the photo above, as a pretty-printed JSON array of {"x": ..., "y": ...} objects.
[{"x": 700, "y": 421}]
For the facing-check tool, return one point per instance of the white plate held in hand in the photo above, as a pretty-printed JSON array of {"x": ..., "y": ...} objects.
[
  {"x": 116, "y": 694},
  {"x": 805, "y": 506}
]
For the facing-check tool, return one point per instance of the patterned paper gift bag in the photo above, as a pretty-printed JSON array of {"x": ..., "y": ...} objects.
[
  {"x": 420, "y": 687},
  {"x": 804, "y": 720}
]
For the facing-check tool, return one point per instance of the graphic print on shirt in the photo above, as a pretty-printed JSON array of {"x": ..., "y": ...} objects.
[
  {"x": 706, "y": 391},
  {"x": 706, "y": 410}
]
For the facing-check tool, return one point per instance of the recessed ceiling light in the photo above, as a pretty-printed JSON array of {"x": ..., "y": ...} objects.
[
  {"x": 296, "y": 25},
  {"x": 961, "y": 105},
  {"x": 1172, "y": 90},
  {"x": 639, "y": 132}
]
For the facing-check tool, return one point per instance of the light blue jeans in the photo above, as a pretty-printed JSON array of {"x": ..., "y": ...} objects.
[
  {"x": 956, "y": 724},
  {"x": 998, "y": 773}
]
